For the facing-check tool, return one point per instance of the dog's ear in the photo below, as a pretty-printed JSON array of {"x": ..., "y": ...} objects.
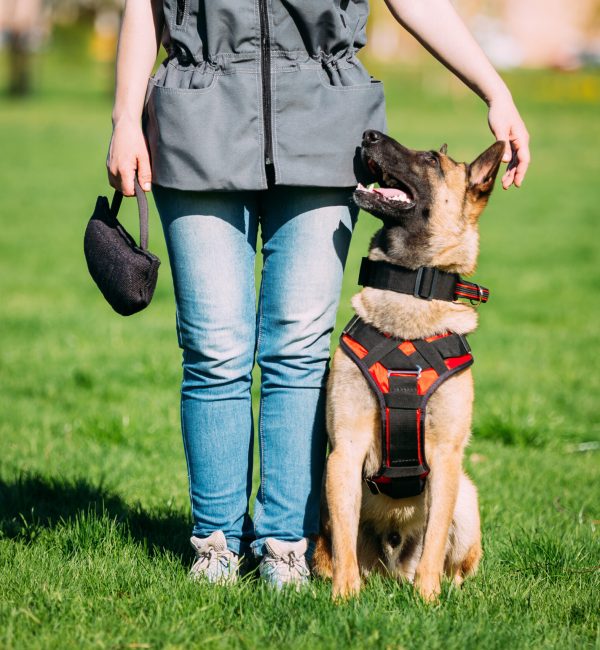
[
  {"x": 444, "y": 149},
  {"x": 483, "y": 170}
]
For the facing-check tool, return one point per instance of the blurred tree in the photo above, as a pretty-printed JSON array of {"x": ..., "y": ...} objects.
[
  {"x": 19, "y": 20},
  {"x": 104, "y": 17},
  {"x": 534, "y": 33}
]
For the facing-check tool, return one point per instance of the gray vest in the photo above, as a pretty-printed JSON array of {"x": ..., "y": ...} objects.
[{"x": 253, "y": 83}]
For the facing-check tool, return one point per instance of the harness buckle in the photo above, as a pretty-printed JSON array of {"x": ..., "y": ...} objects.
[
  {"x": 405, "y": 373},
  {"x": 373, "y": 487},
  {"x": 463, "y": 340},
  {"x": 479, "y": 300},
  {"x": 351, "y": 324},
  {"x": 418, "y": 291}
]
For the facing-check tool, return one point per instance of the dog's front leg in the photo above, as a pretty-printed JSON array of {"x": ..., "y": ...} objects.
[
  {"x": 343, "y": 489},
  {"x": 443, "y": 489}
]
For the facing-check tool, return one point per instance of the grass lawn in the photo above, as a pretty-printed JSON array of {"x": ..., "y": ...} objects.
[{"x": 94, "y": 514}]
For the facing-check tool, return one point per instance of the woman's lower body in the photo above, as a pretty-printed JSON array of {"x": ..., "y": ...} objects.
[{"x": 211, "y": 239}]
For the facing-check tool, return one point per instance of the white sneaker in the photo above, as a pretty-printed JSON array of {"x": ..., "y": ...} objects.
[
  {"x": 284, "y": 563},
  {"x": 214, "y": 561}
]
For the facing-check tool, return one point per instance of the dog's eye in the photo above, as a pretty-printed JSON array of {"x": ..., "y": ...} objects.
[{"x": 431, "y": 158}]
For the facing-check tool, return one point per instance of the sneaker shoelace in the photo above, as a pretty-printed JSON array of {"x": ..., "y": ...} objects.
[
  {"x": 295, "y": 564},
  {"x": 222, "y": 557}
]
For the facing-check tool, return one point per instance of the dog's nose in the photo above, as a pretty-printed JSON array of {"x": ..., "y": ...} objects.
[
  {"x": 394, "y": 539},
  {"x": 371, "y": 136}
]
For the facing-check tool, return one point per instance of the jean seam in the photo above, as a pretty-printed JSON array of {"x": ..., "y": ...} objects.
[
  {"x": 260, "y": 409},
  {"x": 178, "y": 328},
  {"x": 187, "y": 460}
]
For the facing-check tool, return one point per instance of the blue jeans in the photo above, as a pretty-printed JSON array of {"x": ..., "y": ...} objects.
[{"x": 211, "y": 239}]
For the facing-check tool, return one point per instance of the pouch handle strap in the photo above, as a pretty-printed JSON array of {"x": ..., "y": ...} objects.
[{"x": 142, "y": 202}]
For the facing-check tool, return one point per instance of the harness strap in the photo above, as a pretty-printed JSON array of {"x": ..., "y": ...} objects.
[
  {"x": 403, "y": 401},
  {"x": 431, "y": 354},
  {"x": 454, "y": 345},
  {"x": 426, "y": 282},
  {"x": 380, "y": 350},
  {"x": 408, "y": 487}
]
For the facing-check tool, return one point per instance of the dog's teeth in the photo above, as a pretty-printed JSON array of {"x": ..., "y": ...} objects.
[{"x": 400, "y": 197}]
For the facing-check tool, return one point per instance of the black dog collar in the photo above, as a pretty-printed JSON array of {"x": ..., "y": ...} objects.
[{"x": 426, "y": 282}]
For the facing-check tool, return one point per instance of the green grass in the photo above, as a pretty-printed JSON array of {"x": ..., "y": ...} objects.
[{"x": 94, "y": 513}]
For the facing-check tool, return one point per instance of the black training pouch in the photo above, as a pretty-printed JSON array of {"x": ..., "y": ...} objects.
[{"x": 125, "y": 273}]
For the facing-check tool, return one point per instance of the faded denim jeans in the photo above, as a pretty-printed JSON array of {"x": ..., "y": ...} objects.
[{"x": 211, "y": 239}]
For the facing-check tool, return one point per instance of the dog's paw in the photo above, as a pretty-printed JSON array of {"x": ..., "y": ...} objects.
[
  {"x": 428, "y": 587},
  {"x": 345, "y": 588}
]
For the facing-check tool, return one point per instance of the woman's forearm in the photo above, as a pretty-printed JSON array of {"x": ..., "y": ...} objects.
[
  {"x": 437, "y": 26},
  {"x": 139, "y": 41}
]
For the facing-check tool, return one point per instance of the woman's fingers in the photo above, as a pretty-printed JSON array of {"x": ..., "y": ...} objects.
[
  {"x": 120, "y": 176},
  {"x": 523, "y": 158},
  {"x": 126, "y": 177},
  {"x": 504, "y": 135},
  {"x": 144, "y": 171},
  {"x": 517, "y": 168},
  {"x": 509, "y": 174},
  {"x": 508, "y": 178},
  {"x": 121, "y": 173}
]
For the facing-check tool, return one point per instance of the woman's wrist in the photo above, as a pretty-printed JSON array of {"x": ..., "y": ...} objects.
[
  {"x": 126, "y": 118},
  {"x": 496, "y": 93}
]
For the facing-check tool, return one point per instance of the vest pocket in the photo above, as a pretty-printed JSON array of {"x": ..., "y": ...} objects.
[
  {"x": 319, "y": 125},
  {"x": 205, "y": 136}
]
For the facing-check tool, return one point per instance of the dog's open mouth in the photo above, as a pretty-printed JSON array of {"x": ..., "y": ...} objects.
[{"x": 391, "y": 191}]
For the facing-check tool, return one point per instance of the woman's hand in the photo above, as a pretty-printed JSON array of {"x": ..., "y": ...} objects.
[
  {"x": 128, "y": 155},
  {"x": 506, "y": 124}
]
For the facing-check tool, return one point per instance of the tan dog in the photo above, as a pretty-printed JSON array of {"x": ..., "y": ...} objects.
[{"x": 430, "y": 220}]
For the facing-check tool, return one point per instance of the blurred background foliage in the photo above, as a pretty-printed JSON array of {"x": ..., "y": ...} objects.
[{"x": 536, "y": 33}]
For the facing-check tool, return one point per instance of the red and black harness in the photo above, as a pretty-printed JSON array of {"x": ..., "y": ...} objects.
[{"x": 404, "y": 374}]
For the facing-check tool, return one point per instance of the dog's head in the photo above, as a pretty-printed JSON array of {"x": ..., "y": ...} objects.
[{"x": 429, "y": 203}]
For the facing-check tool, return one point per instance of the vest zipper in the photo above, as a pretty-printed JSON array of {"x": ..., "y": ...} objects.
[
  {"x": 180, "y": 12},
  {"x": 265, "y": 67}
]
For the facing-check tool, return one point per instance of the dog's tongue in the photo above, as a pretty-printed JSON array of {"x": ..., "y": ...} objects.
[{"x": 388, "y": 192}]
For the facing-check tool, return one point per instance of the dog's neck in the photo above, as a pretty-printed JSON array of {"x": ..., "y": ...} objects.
[{"x": 408, "y": 317}]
